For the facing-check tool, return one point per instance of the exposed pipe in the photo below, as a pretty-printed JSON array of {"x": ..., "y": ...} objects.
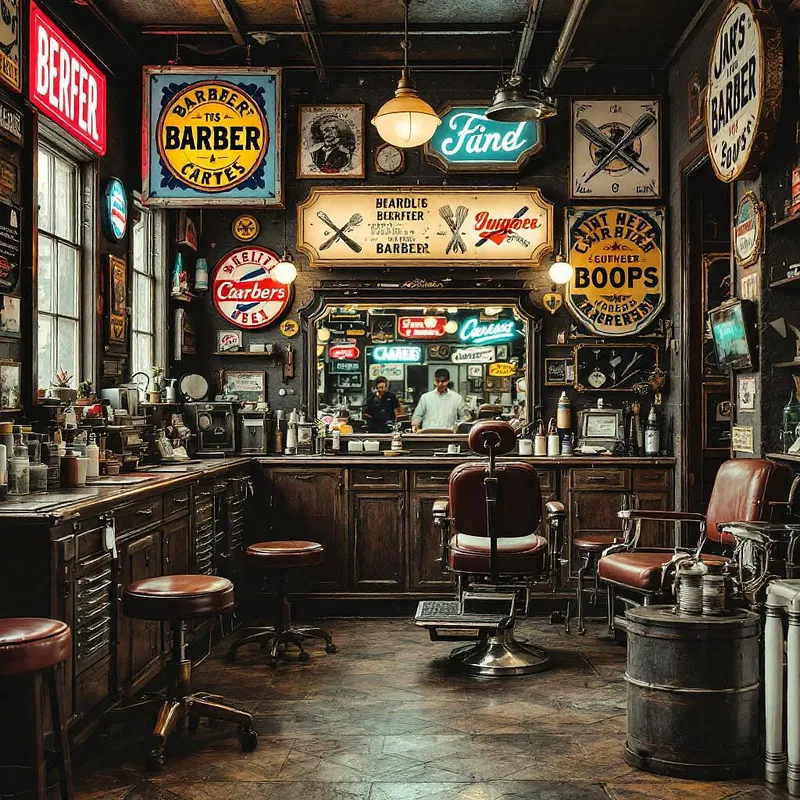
[
  {"x": 568, "y": 32},
  {"x": 526, "y": 40}
]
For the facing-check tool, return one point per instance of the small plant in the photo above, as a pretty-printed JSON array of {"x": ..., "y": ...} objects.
[
  {"x": 157, "y": 373},
  {"x": 62, "y": 379},
  {"x": 84, "y": 389}
]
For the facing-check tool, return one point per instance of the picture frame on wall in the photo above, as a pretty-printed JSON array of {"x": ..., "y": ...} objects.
[
  {"x": 555, "y": 372},
  {"x": 117, "y": 283},
  {"x": 695, "y": 101},
  {"x": 229, "y": 341},
  {"x": 250, "y": 386},
  {"x": 601, "y": 367},
  {"x": 746, "y": 392},
  {"x": 10, "y": 317},
  {"x": 330, "y": 141},
  {"x": 10, "y": 385},
  {"x": 186, "y": 233},
  {"x": 717, "y": 416}
]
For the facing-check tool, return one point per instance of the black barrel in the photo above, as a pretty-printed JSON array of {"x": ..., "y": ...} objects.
[{"x": 693, "y": 693}]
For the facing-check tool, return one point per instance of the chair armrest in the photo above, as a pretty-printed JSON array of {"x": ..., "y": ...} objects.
[
  {"x": 555, "y": 520},
  {"x": 441, "y": 508},
  {"x": 554, "y": 507},
  {"x": 664, "y": 516},
  {"x": 441, "y": 519}
]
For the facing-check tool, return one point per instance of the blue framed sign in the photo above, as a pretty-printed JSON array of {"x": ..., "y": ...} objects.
[
  {"x": 212, "y": 137},
  {"x": 114, "y": 216},
  {"x": 467, "y": 141}
]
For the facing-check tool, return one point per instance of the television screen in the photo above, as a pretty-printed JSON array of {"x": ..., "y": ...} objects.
[{"x": 731, "y": 333}]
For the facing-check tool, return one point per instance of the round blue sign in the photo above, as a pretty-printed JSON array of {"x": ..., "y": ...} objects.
[{"x": 115, "y": 210}]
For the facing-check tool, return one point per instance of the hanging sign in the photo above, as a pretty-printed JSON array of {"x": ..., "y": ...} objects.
[
  {"x": 502, "y": 369},
  {"x": 114, "y": 215},
  {"x": 213, "y": 136},
  {"x": 344, "y": 367},
  {"x": 474, "y": 331},
  {"x": 397, "y": 353},
  {"x": 65, "y": 84},
  {"x": 425, "y": 226},
  {"x": 344, "y": 352},
  {"x": 473, "y": 355},
  {"x": 618, "y": 257},
  {"x": 10, "y": 29},
  {"x": 421, "y": 327},
  {"x": 745, "y": 79},
  {"x": 10, "y": 123},
  {"x": 748, "y": 230},
  {"x": 9, "y": 247},
  {"x": 244, "y": 292},
  {"x": 392, "y": 372},
  {"x": 467, "y": 141}
]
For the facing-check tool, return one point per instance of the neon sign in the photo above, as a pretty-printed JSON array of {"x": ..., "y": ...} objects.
[
  {"x": 476, "y": 332},
  {"x": 397, "y": 354}
]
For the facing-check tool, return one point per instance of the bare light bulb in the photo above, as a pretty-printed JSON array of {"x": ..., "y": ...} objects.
[
  {"x": 284, "y": 272},
  {"x": 561, "y": 271}
]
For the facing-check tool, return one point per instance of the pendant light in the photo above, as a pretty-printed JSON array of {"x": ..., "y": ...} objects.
[
  {"x": 561, "y": 271},
  {"x": 406, "y": 120},
  {"x": 284, "y": 272}
]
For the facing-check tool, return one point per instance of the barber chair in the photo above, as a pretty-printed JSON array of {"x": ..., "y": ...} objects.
[
  {"x": 490, "y": 543},
  {"x": 745, "y": 490}
]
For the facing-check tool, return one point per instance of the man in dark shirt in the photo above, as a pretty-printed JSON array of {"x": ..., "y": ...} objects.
[{"x": 382, "y": 407}]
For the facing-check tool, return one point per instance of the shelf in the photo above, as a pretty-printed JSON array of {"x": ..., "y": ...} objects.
[
  {"x": 243, "y": 353},
  {"x": 160, "y": 405},
  {"x": 186, "y": 297},
  {"x": 784, "y": 456},
  {"x": 788, "y": 364},
  {"x": 785, "y": 221},
  {"x": 789, "y": 283}
]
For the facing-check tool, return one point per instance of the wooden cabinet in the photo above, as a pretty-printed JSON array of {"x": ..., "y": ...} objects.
[
  {"x": 659, "y": 534},
  {"x": 426, "y": 571},
  {"x": 378, "y": 530},
  {"x": 176, "y": 547}
]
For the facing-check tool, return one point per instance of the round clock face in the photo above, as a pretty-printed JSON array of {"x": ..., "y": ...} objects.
[{"x": 389, "y": 159}]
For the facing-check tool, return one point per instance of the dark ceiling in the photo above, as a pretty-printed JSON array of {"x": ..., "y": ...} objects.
[{"x": 335, "y": 34}]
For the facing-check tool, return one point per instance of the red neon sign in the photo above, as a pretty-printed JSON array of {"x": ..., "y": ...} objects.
[
  {"x": 344, "y": 352},
  {"x": 65, "y": 84},
  {"x": 421, "y": 327}
]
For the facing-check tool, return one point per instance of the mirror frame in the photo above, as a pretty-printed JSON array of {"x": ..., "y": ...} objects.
[{"x": 518, "y": 298}]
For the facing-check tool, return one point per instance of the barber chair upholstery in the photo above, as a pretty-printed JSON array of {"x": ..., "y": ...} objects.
[
  {"x": 489, "y": 527},
  {"x": 745, "y": 490}
]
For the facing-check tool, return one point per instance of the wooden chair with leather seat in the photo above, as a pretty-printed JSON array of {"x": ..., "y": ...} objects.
[{"x": 745, "y": 490}]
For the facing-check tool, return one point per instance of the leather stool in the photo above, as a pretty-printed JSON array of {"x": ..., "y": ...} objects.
[
  {"x": 39, "y": 648},
  {"x": 282, "y": 558},
  {"x": 175, "y": 599},
  {"x": 590, "y": 547}
]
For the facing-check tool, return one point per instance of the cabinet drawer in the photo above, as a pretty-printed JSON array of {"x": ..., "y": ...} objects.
[
  {"x": 651, "y": 479},
  {"x": 600, "y": 478},
  {"x": 90, "y": 542},
  {"x": 203, "y": 514},
  {"x": 92, "y": 686},
  {"x": 431, "y": 478},
  {"x": 176, "y": 502},
  {"x": 138, "y": 515},
  {"x": 547, "y": 480},
  {"x": 376, "y": 478}
]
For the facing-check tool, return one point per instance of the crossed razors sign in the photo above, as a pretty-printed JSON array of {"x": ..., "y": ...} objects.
[
  {"x": 454, "y": 223},
  {"x": 340, "y": 234},
  {"x": 617, "y": 149}
]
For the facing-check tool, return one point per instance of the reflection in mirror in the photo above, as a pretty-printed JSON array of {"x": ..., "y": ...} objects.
[{"x": 422, "y": 368}]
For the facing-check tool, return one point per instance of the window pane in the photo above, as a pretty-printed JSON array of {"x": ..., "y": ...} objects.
[
  {"x": 45, "y": 166},
  {"x": 142, "y": 303},
  {"x": 68, "y": 280},
  {"x": 46, "y": 366},
  {"x": 45, "y": 274},
  {"x": 65, "y": 205},
  {"x": 67, "y": 348},
  {"x": 143, "y": 354},
  {"x": 140, "y": 241}
]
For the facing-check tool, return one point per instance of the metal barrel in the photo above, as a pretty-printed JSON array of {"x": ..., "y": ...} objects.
[{"x": 693, "y": 693}]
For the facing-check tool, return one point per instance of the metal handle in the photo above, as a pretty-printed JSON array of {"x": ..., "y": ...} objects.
[
  {"x": 204, "y": 494},
  {"x": 93, "y": 650},
  {"x": 144, "y": 512},
  {"x": 305, "y": 476},
  {"x": 439, "y": 478},
  {"x": 576, "y": 512},
  {"x": 596, "y": 478},
  {"x": 87, "y": 580},
  {"x": 180, "y": 501},
  {"x": 374, "y": 477},
  {"x": 92, "y": 629}
]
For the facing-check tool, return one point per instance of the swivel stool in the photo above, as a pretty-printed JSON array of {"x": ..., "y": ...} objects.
[
  {"x": 176, "y": 599},
  {"x": 281, "y": 558},
  {"x": 590, "y": 547}
]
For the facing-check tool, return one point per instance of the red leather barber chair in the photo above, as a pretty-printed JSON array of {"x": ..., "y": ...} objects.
[
  {"x": 490, "y": 542},
  {"x": 745, "y": 490}
]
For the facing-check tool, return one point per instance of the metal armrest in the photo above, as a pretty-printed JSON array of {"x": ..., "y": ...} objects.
[
  {"x": 556, "y": 515},
  {"x": 663, "y": 516},
  {"x": 441, "y": 519}
]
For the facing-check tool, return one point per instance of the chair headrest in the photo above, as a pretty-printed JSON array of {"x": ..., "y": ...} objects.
[{"x": 492, "y": 432}]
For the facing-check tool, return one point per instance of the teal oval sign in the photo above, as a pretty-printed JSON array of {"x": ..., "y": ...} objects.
[{"x": 467, "y": 141}]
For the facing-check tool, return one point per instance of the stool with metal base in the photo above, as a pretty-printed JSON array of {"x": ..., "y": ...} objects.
[
  {"x": 175, "y": 599},
  {"x": 590, "y": 547},
  {"x": 282, "y": 557}
]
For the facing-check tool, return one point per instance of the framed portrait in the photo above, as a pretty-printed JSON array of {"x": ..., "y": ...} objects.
[
  {"x": 717, "y": 416},
  {"x": 331, "y": 141},
  {"x": 187, "y": 231},
  {"x": 555, "y": 372},
  {"x": 250, "y": 386},
  {"x": 696, "y": 95},
  {"x": 746, "y": 392},
  {"x": 10, "y": 322},
  {"x": 615, "y": 148},
  {"x": 10, "y": 385},
  {"x": 117, "y": 300},
  {"x": 229, "y": 341}
]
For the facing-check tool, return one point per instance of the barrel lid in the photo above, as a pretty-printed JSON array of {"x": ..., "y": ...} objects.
[{"x": 670, "y": 616}]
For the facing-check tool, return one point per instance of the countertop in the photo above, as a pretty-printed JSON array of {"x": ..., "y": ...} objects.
[{"x": 410, "y": 460}]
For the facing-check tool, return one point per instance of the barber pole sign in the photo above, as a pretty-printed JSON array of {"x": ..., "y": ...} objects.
[{"x": 65, "y": 84}]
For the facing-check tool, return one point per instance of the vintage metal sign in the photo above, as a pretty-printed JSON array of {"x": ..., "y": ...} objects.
[
  {"x": 421, "y": 327},
  {"x": 65, "y": 84},
  {"x": 9, "y": 247},
  {"x": 618, "y": 257},
  {"x": 244, "y": 292},
  {"x": 344, "y": 352},
  {"x": 425, "y": 226},
  {"x": 213, "y": 136},
  {"x": 10, "y": 122},
  {"x": 745, "y": 79},
  {"x": 748, "y": 230},
  {"x": 114, "y": 214},
  {"x": 474, "y": 355},
  {"x": 10, "y": 29},
  {"x": 502, "y": 369},
  {"x": 467, "y": 141}
]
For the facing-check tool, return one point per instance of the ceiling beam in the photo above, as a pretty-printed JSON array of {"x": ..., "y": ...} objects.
[
  {"x": 229, "y": 12},
  {"x": 377, "y": 30},
  {"x": 112, "y": 26},
  {"x": 308, "y": 20}
]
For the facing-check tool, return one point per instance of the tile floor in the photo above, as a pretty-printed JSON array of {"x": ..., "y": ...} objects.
[{"x": 382, "y": 720}]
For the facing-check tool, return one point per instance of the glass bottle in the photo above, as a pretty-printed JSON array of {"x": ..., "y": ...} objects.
[
  {"x": 19, "y": 468},
  {"x": 652, "y": 434}
]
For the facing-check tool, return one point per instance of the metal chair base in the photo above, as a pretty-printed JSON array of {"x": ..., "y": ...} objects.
[{"x": 499, "y": 655}]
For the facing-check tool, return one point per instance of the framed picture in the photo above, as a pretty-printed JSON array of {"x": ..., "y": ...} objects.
[
  {"x": 331, "y": 141},
  {"x": 474, "y": 370},
  {"x": 187, "y": 231},
  {"x": 502, "y": 352},
  {"x": 716, "y": 290},
  {"x": 742, "y": 439},
  {"x": 354, "y": 381},
  {"x": 613, "y": 367},
  {"x": 117, "y": 300},
  {"x": 555, "y": 372},
  {"x": 615, "y": 148},
  {"x": 746, "y": 392},
  {"x": 696, "y": 94},
  {"x": 229, "y": 341},
  {"x": 716, "y": 416},
  {"x": 250, "y": 386},
  {"x": 10, "y": 385},
  {"x": 10, "y": 323}
]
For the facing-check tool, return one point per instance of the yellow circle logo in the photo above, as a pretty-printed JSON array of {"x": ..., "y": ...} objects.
[
  {"x": 289, "y": 328},
  {"x": 212, "y": 136},
  {"x": 246, "y": 227}
]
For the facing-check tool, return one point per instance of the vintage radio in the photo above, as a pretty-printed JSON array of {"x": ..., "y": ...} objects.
[
  {"x": 214, "y": 424},
  {"x": 255, "y": 432}
]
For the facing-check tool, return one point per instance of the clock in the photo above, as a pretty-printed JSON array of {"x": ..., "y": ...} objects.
[{"x": 389, "y": 159}]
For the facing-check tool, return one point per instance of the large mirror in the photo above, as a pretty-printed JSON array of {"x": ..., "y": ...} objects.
[{"x": 427, "y": 367}]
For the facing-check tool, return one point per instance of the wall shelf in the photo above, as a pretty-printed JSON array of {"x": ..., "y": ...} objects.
[
  {"x": 185, "y": 297},
  {"x": 782, "y": 223},
  {"x": 787, "y": 364},
  {"x": 242, "y": 353},
  {"x": 786, "y": 283},
  {"x": 784, "y": 456}
]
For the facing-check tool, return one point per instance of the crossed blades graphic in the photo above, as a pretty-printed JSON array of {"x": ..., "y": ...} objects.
[
  {"x": 617, "y": 149},
  {"x": 340, "y": 234}
]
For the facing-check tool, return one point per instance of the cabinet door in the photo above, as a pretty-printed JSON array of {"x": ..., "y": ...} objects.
[
  {"x": 63, "y": 600},
  {"x": 307, "y": 504},
  {"x": 377, "y": 522},
  {"x": 139, "y": 641},
  {"x": 425, "y": 540},
  {"x": 659, "y": 534},
  {"x": 176, "y": 547},
  {"x": 593, "y": 512}
]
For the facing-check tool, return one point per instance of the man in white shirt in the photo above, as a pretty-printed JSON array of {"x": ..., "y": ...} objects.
[{"x": 441, "y": 407}]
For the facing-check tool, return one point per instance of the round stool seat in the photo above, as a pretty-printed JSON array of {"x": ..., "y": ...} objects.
[
  {"x": 178, "y": 597},
  {"x": 30, "y": 644},
  {"x": 285, "y": 555},
  {"x": 595, "y": 542}
]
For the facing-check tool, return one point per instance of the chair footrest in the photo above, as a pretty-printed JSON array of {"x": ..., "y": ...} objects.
[{"x": 445, "y": 621}]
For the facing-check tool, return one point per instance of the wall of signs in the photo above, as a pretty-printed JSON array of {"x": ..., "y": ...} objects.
[{"x": 213, "y": 138}]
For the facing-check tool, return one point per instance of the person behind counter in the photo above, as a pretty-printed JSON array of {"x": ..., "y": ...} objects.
[
  {"x": 382, "y": 407},
  {"x": 441, "y": 407}
]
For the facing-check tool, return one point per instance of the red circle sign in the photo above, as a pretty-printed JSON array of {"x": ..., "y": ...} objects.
[
  {"x": 344, "y": 352},
  {"x": 244, "y": 291}
]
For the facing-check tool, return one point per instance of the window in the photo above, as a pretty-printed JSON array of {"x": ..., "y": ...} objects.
[{"x": 60, "y": 259}]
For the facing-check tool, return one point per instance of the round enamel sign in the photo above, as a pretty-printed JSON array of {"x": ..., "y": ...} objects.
[
  {"x": 748, "y": 230},
  {"x": 244, "y": 292},
  {"x": 115, "y": 210}
]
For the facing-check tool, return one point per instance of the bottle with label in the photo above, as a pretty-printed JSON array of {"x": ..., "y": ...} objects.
[
  {"x": 93, "y": 454},
  {"x": 291, "y": 434},
  {"x": 553, "y": 441},
  {"x": 397, "y": 439},
  {"x": 564, "y": 413},
  {"x": 277, "y": 433},
  {"x": 19, "y": 468},
  {"x": 305, "y": 435},
  {"x": 652, "y": 434},
  {"x": 539, "y": 439},
  {"x": 336, "y": 440}
]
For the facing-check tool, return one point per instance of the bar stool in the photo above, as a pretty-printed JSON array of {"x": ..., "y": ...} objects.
[
  {"x": 590, "y": 547},
  {"x": 39, "y": 648},
  {"x": 281, "y": 558},
  {"x": 176, "y": 599}
]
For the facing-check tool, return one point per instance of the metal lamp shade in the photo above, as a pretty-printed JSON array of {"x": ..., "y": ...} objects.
[{"x": 406, "y": 120}]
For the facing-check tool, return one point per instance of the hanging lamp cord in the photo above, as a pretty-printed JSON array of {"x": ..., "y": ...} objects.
[{"x": 406, "y": 43}]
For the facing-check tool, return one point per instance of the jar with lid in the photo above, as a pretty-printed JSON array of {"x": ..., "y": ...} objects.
[{"x": 19, "y": 468}]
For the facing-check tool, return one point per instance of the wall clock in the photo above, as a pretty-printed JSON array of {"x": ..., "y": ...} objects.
[{"x": 389, "y": 160}]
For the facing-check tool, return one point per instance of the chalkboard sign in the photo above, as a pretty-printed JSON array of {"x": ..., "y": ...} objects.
[
  {"x": 614, "y": 368},
  {"x": 9, "y": 247}
]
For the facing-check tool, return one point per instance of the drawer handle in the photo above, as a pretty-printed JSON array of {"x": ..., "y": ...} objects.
[
  {"x": 204, "y": 494},
  {"x": 596, "y": 478},
  {"x": 305, "y": 476},
  {"x": 93, "y": 650},
  {"x": 144, "y": 512},
  {"x": 438, "y": 478},
  {"x": 374, "y": 477},
  {"x": 180, "y": 501},
  {"x": 651, "y": 476}
]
